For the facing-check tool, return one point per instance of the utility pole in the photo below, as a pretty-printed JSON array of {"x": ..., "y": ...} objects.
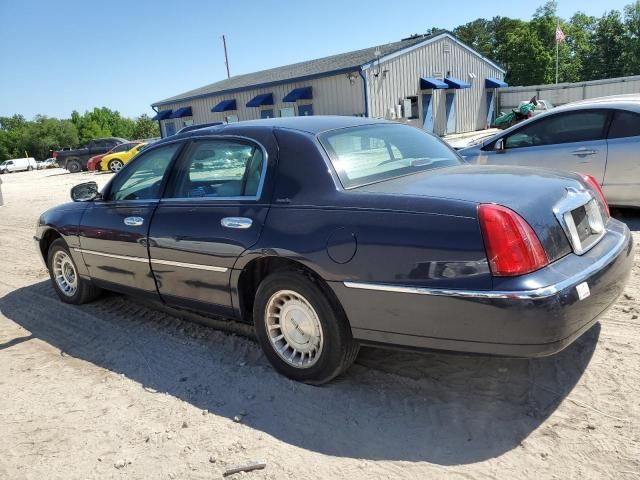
[{"x": 226, "y": 57}]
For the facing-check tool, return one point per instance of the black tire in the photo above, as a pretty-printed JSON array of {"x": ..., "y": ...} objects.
[
  {"x": 29, "y": 168},
  {"x": 85, "y": 291},
  {"x": 74, "y": 166},
  {"x": 338, "y": 351}
]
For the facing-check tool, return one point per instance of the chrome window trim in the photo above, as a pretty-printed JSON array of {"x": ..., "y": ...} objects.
[
  {"x": 537, "y": 293},
  {"x": 195, "y": 266},
  {"x": 218, "y": 137}
]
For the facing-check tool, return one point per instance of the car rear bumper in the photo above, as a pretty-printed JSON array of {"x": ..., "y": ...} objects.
[{"x": 543, "y": 315}]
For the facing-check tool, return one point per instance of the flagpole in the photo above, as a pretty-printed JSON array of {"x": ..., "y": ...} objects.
[{"x": 557, "y": 49}]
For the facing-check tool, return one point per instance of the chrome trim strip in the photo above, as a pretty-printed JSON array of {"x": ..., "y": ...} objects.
[
  {"x": 195, "y": 266},
  {"x": 111, "y": 255},
  {"x": 542, "y": 292},
  {"x": 154, "y": 260}
]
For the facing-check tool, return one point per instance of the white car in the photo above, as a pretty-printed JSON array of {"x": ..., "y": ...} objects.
[{"x": 18, "y": 165}]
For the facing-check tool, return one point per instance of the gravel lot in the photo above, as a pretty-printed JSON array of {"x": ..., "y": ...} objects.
[{"x": 116, "y": 389}]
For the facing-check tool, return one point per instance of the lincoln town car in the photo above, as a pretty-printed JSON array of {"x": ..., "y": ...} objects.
[{"x": 327, "y": 233}]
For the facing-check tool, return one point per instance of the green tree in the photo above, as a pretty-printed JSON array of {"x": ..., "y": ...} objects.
[
  {"x": 144, "y": 127},
  {"x": 529, "y": 61},
  {"x": 632, "y": 40},
  {"x": 606, "y": 58}
]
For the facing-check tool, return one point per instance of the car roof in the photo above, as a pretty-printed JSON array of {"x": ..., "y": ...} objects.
[
  {"x": 629, "y": 101},
  {"x": 309, "y": 124}
]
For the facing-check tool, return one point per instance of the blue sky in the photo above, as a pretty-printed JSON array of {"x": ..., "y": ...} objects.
[{"x": 57, "y": 56}]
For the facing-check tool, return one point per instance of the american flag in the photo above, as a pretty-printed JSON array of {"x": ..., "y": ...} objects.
[{"x": 559, "y": 35}]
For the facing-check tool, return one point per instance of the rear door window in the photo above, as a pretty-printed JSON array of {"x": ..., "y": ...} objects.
[
  {"x": 569, "y": 127},
  {"x": 625, "y": 124},
  {"x": 219, "y": 169}
]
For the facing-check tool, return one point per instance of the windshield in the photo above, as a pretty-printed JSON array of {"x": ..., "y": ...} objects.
[{"x": 362, "y": 155}]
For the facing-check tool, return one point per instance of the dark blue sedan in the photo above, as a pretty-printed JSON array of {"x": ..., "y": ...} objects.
[{"x": 327, "y": 233}]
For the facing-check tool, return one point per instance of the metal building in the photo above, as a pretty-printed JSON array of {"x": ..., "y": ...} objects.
[{"x": 434, "y": 81}]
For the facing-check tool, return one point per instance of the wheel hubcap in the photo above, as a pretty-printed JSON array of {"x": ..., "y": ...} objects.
[
  {"x": 116, "y": 166},
  {"x": 294, "y": 329},
  {"x": 64, "y": 273}
]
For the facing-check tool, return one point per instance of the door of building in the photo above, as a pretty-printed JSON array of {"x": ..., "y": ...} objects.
[
  {"x": 427, "y": 112},
  {"x": 169, "y": 129},
  {"x": 451, "y": 112}
]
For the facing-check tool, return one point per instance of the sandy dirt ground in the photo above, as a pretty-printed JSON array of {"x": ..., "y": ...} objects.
[{"x": 116, "y": 389}]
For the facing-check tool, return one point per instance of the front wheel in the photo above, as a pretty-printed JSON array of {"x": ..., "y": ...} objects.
[
  {"x": 302, "y": 334},
  {"x": 29, "y": 168},
  {"x": 70, "y": 287}
]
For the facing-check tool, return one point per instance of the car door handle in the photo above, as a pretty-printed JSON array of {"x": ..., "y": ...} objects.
[
  {"x": 582, "y": 153},
  {"x": 236, "y": 222},
  {"x": 133, "y": 221}
]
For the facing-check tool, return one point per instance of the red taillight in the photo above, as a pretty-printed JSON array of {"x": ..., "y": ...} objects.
[
  {"x": 530, "y": 114},
  {"x": 596, "y": 186},
  {"x": 55, "y": 154},
  {"x": 512, "y": 246}
]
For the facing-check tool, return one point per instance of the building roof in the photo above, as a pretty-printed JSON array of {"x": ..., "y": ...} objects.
[
  {"x": 343, "y": 62},
  {"x": 334, "y": 63}
]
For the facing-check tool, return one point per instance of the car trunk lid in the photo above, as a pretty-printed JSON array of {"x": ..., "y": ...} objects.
[{"x": 540, "y": 196}]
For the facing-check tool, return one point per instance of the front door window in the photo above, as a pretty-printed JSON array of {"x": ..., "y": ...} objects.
[{"x": 142, "y": 179}]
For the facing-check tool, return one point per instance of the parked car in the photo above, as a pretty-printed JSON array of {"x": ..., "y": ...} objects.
[
  {"x": 600, "y": 137},
  {"x": 331, "y": 232},
  {"x": 94, "y": 162},
  {"x": 119, "y": 156},
  {"x": 48, "y": 163},
  {"x": 76, "y": 160},
  {"x": 18, "y": 165}
]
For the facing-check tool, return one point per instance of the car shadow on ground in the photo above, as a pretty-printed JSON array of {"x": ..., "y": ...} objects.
[
  {"x": 441, "y": 408},
  {"x": 629, "y": 216}
]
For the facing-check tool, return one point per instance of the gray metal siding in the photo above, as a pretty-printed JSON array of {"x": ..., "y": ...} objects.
[
  {"x": 443, "y": 55},
  {"x": 569, "y": 92},
  {"x": 334, "y": 95}
]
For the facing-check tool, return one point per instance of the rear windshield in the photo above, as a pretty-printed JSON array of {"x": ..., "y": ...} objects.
[{"x": 363, "y": 155}]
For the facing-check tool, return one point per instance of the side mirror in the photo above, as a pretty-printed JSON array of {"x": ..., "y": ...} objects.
[
  {"x": 85, "y": 192},
  {"x": 499, "y": 146}
]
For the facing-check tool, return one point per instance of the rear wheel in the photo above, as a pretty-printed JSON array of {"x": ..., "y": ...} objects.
[
  {"x": 74, "y": 166},
  {"x": 69, "y": 286},
  {"x": 115, "y": 165},
  {"x": 303, "y": 335}
]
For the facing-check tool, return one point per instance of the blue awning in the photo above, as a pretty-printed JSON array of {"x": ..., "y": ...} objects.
[
  {"x": 259, "y": 100},
  {"x": 225, "y": 106},
  {"x": 494, "y": 83},
  {"x": 427, "y": 83},
  {"x": 302, "y": 93},
  {"x": 162, "y": 115},
  {"x": 181, "y": 112},
  {"x": 455, "y": 83}
]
